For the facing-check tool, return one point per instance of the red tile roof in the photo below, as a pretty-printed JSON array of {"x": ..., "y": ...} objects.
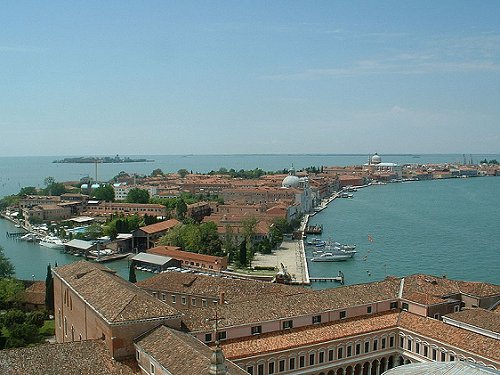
[{"x": 160, "y": 227}]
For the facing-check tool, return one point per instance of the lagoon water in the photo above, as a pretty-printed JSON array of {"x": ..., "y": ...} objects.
[
  {"x": 445, "y": 227},
  {"x": 441, "y": 227}
]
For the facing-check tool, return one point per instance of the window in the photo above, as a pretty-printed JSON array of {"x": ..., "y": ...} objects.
[
  {"x": 417, "y": 347},
  {"x": 163, "y": 297},
  {"x": 316, "y": 319},
  {"x": 426, "y": 351},
  {"x": 59, "y": 318},
  {"x": 221, "y": 335},
  {"x": 358, "y": 349},
  {"x": 204, "y": 304},
  {"x": 401, "y": 342},
  {"x": 65, "y": 327},
  {"x": 193, "y": 301},
  {"x": 405, "y": 306},
  {"x": 436, "y": 316},
  {"x": 281, "y": 365},
  {"x": 391, "y": 341},
  {"x": 291, "y": 364},
  {"x": 311, "y": 359},
  {"x": 152, "y": 368},
  {"x": 409, "y": 344},
  {"x": 375, "y": 344},
  {"x": 434, "y": 354},
  {"x": 321, "y": 357},
  {"x": 443, "y": 356},
  {"x": 349, "y": 351},
  {"x": 173, "y": 298},
  {"x": 343, "y": 314},
  {"x": 302, "y": 361},
  {"x": 330, "y": 355},
  {"x": 271, "y": 368},
  {"x": 456, "y": 308},
  {"x": 287, "y": 324},
  {"x": 208, "y": 337},
  {"x": 256, "y": 330},
  {"x": 154, "y": 294},
  {"x": 340, "y": 353},
  {"x": 367, "y": 346},
  {"x": 452, "y": 358},
  {"x": 394, "y": 305},
  {"x": 183, "y": 300},
  {"x": 260, "y": 369},
  {"x": 383, "y": 342},
  {"x": 369, "y": 310},
  {"x": 250, "y": 370},
  {"x": 137, "y": 355}
]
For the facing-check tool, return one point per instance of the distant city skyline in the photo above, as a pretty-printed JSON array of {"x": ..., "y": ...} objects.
[{"x": 251, "y": 77}]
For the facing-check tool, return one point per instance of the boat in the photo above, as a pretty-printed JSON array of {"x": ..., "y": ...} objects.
[
  {"x": 52, "y": 242},
  {"x": 29, "y": 237},
  {"x": 340, "y": 246},
  {"x": 316, "y": 242},
  {"x": 334, "y": 256}
]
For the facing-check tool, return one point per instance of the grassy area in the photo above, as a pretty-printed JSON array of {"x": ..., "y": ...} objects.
[{"x": 48, "y": 329}]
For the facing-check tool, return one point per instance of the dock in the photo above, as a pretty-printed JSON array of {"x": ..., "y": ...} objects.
[{"x": 338, "y": 279}]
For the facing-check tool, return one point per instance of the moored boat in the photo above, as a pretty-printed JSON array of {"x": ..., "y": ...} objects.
[
  {"x": 334, "y": 256},
  {"x": 52, "y": 242}
]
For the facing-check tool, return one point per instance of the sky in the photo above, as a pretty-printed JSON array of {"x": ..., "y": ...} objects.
[{"x": 235, "y": 77}]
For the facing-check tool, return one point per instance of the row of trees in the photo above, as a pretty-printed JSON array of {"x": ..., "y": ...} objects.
[{"x": 198, "y": 238}]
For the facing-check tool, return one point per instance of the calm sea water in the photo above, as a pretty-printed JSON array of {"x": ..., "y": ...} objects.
[
  {"x": 447, "y": 227},
  {"x": 442, "y": 227}
]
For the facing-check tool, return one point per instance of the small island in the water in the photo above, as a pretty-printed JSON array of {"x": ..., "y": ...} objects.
[{"x": 105, "y": 159}]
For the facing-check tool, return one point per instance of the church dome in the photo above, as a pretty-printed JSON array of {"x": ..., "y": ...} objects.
[
  {"x": 290, "y": 182},
  {"x": 376, "y": 159}
]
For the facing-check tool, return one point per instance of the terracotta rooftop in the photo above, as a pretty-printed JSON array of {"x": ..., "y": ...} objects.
[
  {"x": 310, "y": 335},
  {"x": 96, "y": 283},
  {"x": 273, "y": 306},
  {"x": 439, "y": 286},
  {"x": 481, "y": 318},
  {"x": 454, "y": 336},
  {"x": 181, "y": 353},
  {"x": 35, "y": 293},
  {"x": 72, "y": 358},
  {"x": 202, "y": 285},
  {"x": 160, "y": 227}
]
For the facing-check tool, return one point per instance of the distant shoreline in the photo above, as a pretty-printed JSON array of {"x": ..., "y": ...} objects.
[{"x": 106, "y": 159}]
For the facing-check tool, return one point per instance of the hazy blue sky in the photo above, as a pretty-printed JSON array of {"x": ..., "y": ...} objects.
[{"x": 208, "y": 77}]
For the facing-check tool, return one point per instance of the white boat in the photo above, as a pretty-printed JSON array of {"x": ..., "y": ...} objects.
[
  {"x": 338, "y": 245},
  {"x": 52, "y": 242},
  {"x": 30, "y": 237},
  {"x": 334, "y": 256}
]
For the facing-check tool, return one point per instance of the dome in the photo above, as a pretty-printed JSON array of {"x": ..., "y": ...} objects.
[
  {"x": 290, "y": 182},
  {"x": 376, "y": 159}
]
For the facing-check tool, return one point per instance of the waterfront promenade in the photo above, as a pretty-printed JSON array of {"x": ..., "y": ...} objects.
[{"x": 291, "y": 254}]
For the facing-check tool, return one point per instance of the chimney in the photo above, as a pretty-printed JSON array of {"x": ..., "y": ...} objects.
[{"x": 222, "y": 298}]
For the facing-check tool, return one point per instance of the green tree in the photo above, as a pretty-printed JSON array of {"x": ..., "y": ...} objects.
[
  {"x": 181, "y": 209},
  {"x": 183, "y": 172},
  {"x": 131, "y": 274},
  {"x": 104, "y": 193},
  {"x": 136, "y": 195},
  {"x": 11, "y": 292},
  {"x": 49, "y": 290},
  {"x": 22, "y": 335},
  {"x": 157, "y": 172},
  {"x": 13, "y": 317},
  {"x": 243, "y": 259},
  {"x": 27, "y": 190},
  {"x": 36, "y": 318},
  {"x": 6, "y": 267}
]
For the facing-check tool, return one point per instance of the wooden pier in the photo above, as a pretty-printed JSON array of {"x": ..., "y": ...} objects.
[{"x": 338, "y": 279}]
